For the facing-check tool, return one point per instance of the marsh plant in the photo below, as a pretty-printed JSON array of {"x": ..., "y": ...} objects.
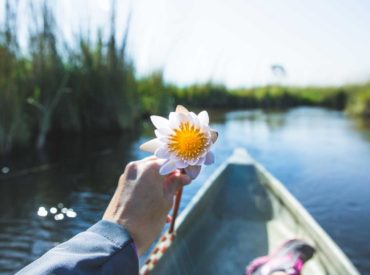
[
  {"x": 13, "y": 68},
  {"x": 52, "y": 88}
]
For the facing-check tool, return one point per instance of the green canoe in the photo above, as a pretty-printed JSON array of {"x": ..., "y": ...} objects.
[{"x": 240, "y": 213}]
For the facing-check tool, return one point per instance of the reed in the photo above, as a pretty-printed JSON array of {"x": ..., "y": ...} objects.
[
  {"x": 91, "y": 87},
  {"x": 13, "y": 68}
]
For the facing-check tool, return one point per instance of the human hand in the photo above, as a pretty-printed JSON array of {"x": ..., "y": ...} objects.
[{"x": 143, "y": 199}]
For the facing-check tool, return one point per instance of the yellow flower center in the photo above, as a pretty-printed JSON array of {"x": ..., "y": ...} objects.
[{"x": 188, "y": 142}]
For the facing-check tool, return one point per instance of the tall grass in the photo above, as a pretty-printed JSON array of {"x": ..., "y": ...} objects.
[
  {"x": 13, "y": 68},
  {"x": 55, "y": 89},
  {"x": 48, "y": 77}
]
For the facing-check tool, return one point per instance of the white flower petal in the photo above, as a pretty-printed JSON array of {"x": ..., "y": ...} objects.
[
  {"x": 174, "y": 120},
  {"x": 177, "y": 118},
  {"x": 159, "y": 122},
  {"x": 174, "y": 157},
  {"x": 194, "y": 119},
  {"x": 151, "y": 145},
  {"x": 203, "y": 117},
  {"x": 201, "y": 161},
  {"x": 161, "y": 138},
  {"x": 210, "y": 158},
  {"x": 163, "y": 132},
  {"x": 193, "y": 161},
  {"x": 162, "y": 152},
  {"x": 214, "y": 135},
  {"x": 205, "y": 129},
  {"x": 167, "y": 167},
  {"x": 193, "y": 171},
  {"x": 181, "y": 164},
  {"x": 158, "y": 134},
  {"x": 182, "y": 117},
  {"x": 181, "y": 109}
]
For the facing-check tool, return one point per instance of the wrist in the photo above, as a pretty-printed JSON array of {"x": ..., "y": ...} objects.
[{"x": 123, "y": 223}]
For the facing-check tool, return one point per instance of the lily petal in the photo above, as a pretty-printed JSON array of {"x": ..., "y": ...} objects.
[
  {"x": 203, "y": 117},
  {"x": 210, "y": 158},
  {"x": 182, "y": 117},
  {"x": 164, "y": 131},
  {"x": 193, "y": 171},
  {"x": 181, "y": 109},
  {"x": 159, "y": 122},
  {"x": 194, "y": 119},
  {"x": 160, "y": 136},
  {"x": 167, "y": 167},
  {"x": 151, "y": 145},
  {"x": 193, "y": 161},
  {"x": 201, "y": 161},
  {"x": 174, "y": 120},
  {"x": 181, "y": 164},
  {"x": 162, "y": 152},
  {"x": 214, "y": 136}
]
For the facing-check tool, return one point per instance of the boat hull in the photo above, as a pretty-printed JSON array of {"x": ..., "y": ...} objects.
[{"x": 242, "y": 212}]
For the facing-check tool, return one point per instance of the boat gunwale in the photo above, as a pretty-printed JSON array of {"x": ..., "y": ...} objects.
[{"x": 301, "y": 214}]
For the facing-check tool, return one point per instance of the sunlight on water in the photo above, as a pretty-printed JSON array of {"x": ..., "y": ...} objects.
[
  {"x": 53, "y": 210},
  {"x": 5, "y": 170},
  {"x": 42, "y": 212},
  {"x": 59, "y": 217},
  {"x": 64, "y": 212},
  {"x": 71, "y": 214}
]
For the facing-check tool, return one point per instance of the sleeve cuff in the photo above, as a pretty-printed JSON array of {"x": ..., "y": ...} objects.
[{"x": 113, "y": 232}]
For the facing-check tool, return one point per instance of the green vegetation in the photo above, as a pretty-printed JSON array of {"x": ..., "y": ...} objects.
[
  {"x": 359, "y": 100},
  {"x": 54, "y": 89},
  {"x": 276, "y": 97},
  {"x": 355, "y": 99}
]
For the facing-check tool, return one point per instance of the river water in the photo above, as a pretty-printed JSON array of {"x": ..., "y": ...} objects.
[{"x": 322, "y": 157}]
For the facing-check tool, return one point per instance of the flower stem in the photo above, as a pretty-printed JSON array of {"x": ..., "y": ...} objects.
[{"x": 175, "y": 210}]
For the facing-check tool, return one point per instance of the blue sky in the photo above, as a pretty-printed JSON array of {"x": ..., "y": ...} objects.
[{"x": 323, "y": 42}]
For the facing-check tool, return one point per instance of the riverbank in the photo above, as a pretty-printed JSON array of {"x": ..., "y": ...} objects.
[
  {"x": 53, "y": 89},
  {"x": 354, "y": 99}
]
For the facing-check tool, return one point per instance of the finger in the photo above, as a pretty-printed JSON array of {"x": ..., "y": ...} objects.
[
  {"x": 153, "y": 166},
  {"x": 182, "y": 176},
  {"x": 172, "y": 185},
  {"x": 175, "y": 181},
  {"x": 169, "y": 219}
]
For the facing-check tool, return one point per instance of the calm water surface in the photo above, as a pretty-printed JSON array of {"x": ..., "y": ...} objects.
[{"x": 321, "y": 156}]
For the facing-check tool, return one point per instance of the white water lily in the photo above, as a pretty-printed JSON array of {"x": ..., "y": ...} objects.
[{"x": 184, "y": 140}]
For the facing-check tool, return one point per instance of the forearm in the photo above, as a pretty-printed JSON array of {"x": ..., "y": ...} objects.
[{"x": 105, "y": 248}]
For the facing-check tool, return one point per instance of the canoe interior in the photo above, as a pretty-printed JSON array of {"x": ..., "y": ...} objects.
[{"x": 238, "y": 216}]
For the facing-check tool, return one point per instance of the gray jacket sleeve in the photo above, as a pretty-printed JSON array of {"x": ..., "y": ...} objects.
[{"x": 105, "y": 248}]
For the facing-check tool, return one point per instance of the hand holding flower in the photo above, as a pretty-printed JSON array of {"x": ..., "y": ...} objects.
[{"x": 143, "y": 199}]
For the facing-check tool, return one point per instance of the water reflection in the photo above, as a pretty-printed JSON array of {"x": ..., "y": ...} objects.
[
  {"x": 70, "y": 213},
  {"x": 322, "y": 156},
  {"x": 42, "y": 212},
  {"x": 5, "y": 170}
]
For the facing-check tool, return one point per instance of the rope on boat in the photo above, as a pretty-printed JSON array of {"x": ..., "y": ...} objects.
[{"x": 165, "y": 241}]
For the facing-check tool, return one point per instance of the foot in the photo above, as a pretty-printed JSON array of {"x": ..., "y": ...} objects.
[{"x": 288, "y": 259}]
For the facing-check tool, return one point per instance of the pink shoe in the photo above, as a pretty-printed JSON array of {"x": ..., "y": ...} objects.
[{"x": 289, "y": 258}]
